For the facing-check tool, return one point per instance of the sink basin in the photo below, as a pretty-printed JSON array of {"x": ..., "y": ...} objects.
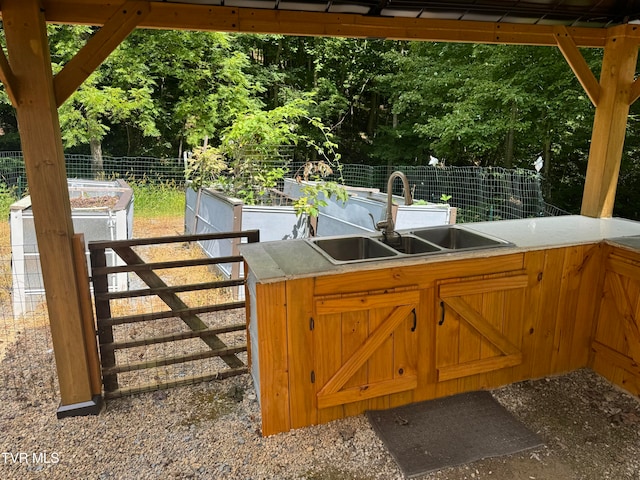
[
  {"x": 350, "y": 249},
  {"x": 452, "y": 238},
  {"x": 424, "y": 241},
  {"x": 414, "y": 246}
]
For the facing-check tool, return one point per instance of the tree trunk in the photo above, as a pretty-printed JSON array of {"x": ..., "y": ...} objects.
[
  {"x": 97, "y": 165},
  {"x": 373, "y": 114},
  {"x": 546, "y": 169},
  {"x": 508, "y": 154},
  {"x": 546, "y": 156}
]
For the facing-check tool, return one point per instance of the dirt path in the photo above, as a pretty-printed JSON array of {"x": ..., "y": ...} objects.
[{"x": 158, "y": 227}]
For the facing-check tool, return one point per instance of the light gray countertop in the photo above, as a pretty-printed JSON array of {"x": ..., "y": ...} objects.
[
  {"x": 546, "y": 232},
  {"x": 287, "y": 259},
  {"x": 632, "y": 243}
]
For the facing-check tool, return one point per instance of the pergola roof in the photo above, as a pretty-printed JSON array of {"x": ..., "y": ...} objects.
[
  {"x": 525, "y": 22},
  {"x": 576, "y": 13}
]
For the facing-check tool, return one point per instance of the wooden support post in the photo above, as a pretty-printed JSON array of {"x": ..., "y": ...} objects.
[
  {"x": 29, "y": 58},
  {"x": 607, "y": 138}
]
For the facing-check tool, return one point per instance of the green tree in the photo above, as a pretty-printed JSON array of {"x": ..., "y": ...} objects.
[
  {"x": 485, "y": 104},
  {"x": 250, "y": 150},
  {"x": 118, "y": 92}
]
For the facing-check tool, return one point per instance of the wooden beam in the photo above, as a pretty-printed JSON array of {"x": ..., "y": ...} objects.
[
  {"x": 577, "y": 63},
  {"x": 167, "y": 15},
  {"x": 474, "y": 367},
  {"x": 481, "y": 325},
  {"x": 8, "y": 79},
  {"x": 369, "y": 390},
  {"x": 328, "y": 306},
  {"x": 475, "y": 287},
  {"x": 98, "y": 48},
  {"x": 616, "y": 358},
  {"x": 609, "y": 126},
  {"x": 626, "y": 310},
  {"x": 28, "y": 50}
]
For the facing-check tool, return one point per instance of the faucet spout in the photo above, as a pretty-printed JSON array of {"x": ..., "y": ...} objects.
[{"x": 388, "y": 225}]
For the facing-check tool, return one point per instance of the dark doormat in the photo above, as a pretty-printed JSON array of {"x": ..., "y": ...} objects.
[{"x": 427, "y": 436}]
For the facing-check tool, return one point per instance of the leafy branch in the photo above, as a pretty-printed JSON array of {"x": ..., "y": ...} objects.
[{"x": 315, "y": 194}]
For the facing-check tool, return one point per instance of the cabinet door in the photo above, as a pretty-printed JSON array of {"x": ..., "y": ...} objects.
[
  {"x": 479, "y": 325},
  {"x": 365, "y": 346},
  {"x": 617, "y": 339}
]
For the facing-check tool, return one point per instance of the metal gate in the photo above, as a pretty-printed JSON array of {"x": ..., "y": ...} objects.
[{"x": 172, "y": 330}]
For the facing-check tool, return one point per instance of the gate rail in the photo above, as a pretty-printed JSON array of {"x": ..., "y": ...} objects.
[{"x": 156, "y": 286}]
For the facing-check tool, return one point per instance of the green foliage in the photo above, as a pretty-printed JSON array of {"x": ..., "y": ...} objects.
[
  {"x": 204, "y": 166},
  {"x": 119, "y": 92},
  {"x": 465, "y": 101},
  {"x": 263, "y": 132},
  {"x": 315, "y": 194},
  {"x": 251, "y": 147},
  {"x": 8, "y": 196},
  {"x": 155, "y": 199},
  {"x": 247, "y": 164}
]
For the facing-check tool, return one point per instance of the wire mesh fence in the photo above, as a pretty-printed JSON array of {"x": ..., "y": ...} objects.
[
  {"x": 479, "y": 193},
  {"x": 197, "y": 331},
  {"x": 27, "y": 366},
  {"x": 159, "y": 170}
]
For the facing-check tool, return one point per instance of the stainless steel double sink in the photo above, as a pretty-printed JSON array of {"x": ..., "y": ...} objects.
[{"x": 423, "y": 241}]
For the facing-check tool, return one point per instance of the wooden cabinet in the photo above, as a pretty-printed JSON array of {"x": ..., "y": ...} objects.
[{"x": 331, "y": 346}]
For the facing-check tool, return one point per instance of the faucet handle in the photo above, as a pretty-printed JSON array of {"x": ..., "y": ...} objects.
[{"x": 381, "y": 225}]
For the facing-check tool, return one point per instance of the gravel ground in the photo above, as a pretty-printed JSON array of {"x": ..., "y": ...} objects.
[{"x": 212, "y": 430}]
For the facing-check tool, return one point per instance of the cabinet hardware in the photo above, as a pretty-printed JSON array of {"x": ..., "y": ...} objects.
[
  {"x": 311, "y": 323},
  {"x": 442, "y": 313},
  {"x": 313, "y": 376},
  {"x": 415, "y": 320}
]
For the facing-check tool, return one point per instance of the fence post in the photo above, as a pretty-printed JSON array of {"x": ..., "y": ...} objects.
[{"x": 103, "y": 312}]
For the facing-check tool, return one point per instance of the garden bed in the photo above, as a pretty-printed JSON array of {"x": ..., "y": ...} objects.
[{"x": 101, "y": 210}]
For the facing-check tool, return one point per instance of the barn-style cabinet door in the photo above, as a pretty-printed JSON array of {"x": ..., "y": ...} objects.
[
  {"x": 479, "y": 322},
  {"x": 365, "y": 345},
  {"x": 617, "y": 340}
]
